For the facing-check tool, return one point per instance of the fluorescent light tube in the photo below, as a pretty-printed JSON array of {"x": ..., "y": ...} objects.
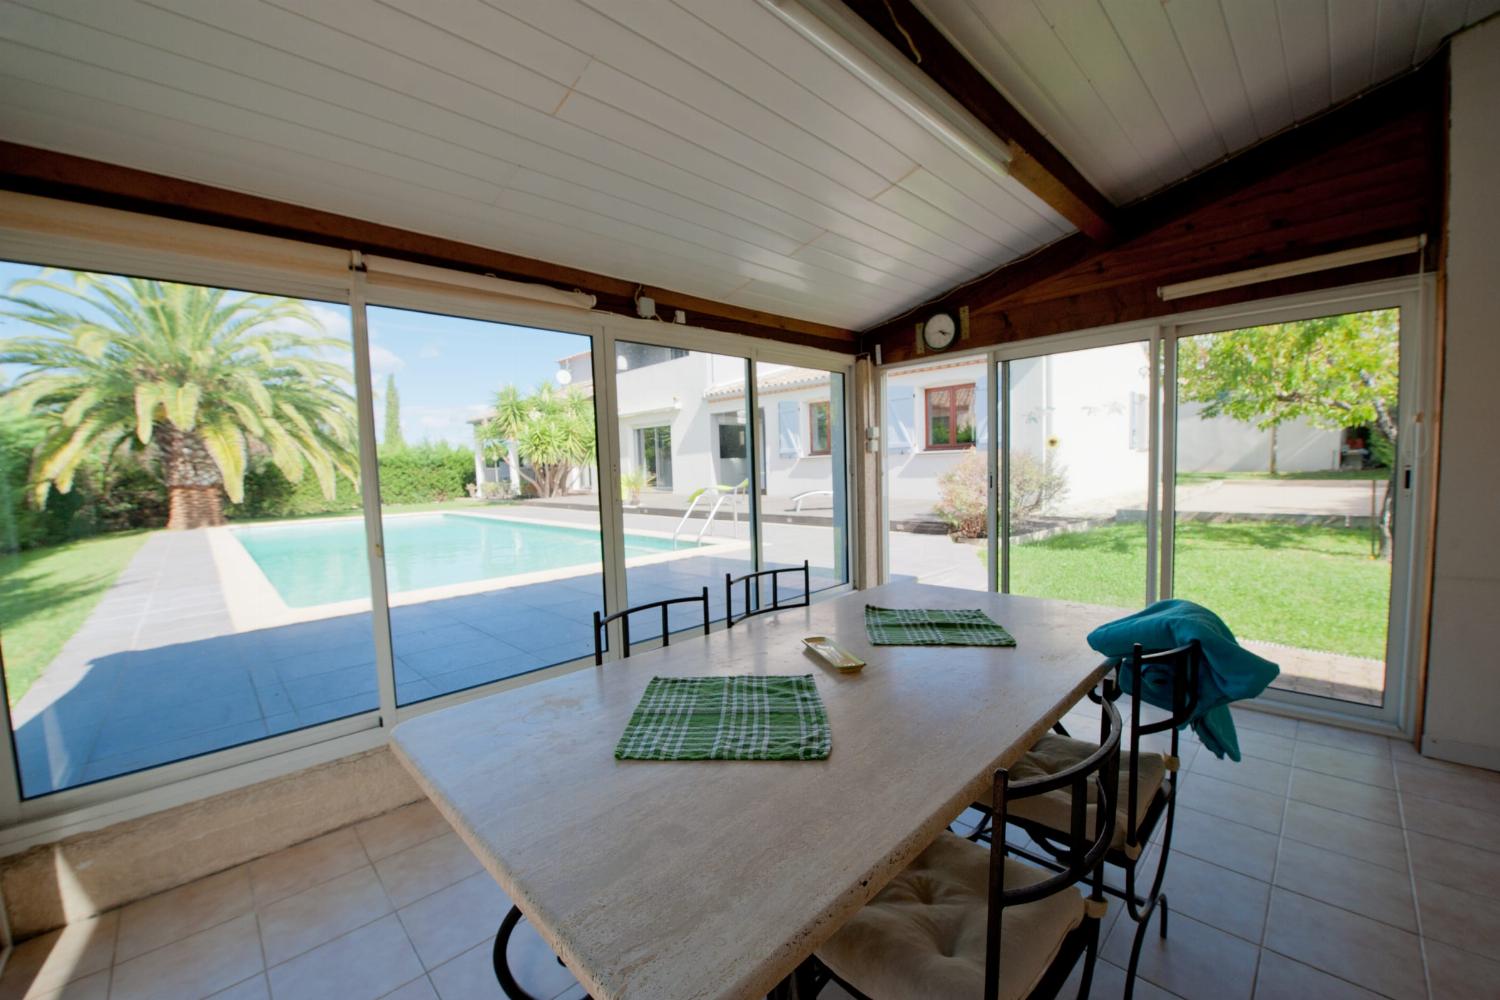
[
  {"x": 1307, "y": 265},
  {"x": 861, "y": 50}
]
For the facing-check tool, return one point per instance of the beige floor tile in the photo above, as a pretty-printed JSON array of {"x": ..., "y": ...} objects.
[
  {"x": 362, "y": 965},
  {"x": 1108, "y": 984},
  {"x": 1217, "y": 896},
  {"x": 1350, "y": 764},
  {"x": 1457, "y": 974},
  {"x": 1266, "y": 746},
  {"x": 417, "y": 989},
  {"x": 471, "y": 976},
  {"x": 1249, "y": 806},
  {"x": 1377, "y": 843},
  {"x": 1436, "y": 859},
  {"x": 196, "y": 966},
  {"x": 1346, "y": 739},
  {"x": 1252, "y": 772},
  {"x": 1460, "y": 918},
  {"x": 1468, "y": 787},
  {"x": 1280, "y": 978},
  {"x": 1383, "y": 894},
  {"x": 188, "y": 909},
  {"x": 401, "y": 828},
  {"x": 1374, "y": 955},
  {"x": 304, "y": 865},
  {"x": 1443, "y": 819},
  {"x": 1196, "y": 961},
  {"x": 299, "y": 923},
  {"x": 452, "y": 920},
  {"x": 255, "y": 988},
  {"x": 418, "y": 871},
  {"x": 1225, "y": 843},
  {"x": 94, "y": 987},
  {"x": 1353, "y": 797},
  {"x": 1264, "y": 722},
  {"x": 46, "y": 963}
]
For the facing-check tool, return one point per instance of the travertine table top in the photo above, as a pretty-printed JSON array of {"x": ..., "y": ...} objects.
[{"x": 711, "y": 879}]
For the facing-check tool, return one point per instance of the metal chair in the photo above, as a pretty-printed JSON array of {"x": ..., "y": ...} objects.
[
  {"x": 1147, "y": 796},
  {"x": 730, "y": 582},
  {"x": 601, "y": 622},
  {"x": 955, "y": 883}
]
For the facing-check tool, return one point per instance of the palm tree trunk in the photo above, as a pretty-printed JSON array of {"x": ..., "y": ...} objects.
[{"x": 195, "y": 492}]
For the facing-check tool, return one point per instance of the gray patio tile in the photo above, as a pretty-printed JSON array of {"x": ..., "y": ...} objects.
[
  {"x": 443, "y": 659},
  {"x": 330, "y": 710},
  {"x": 283, "y": 722},
  {"x": 104, "y": 765},
  {"x": 121, "y": 734},
  {"x": 332, "y": 685},
  {"x": 484, "y": 673},
  {"x": 311, "y": 663},
  {"x": 415, "y": 641},
  {"x": 415, "y": 691}
]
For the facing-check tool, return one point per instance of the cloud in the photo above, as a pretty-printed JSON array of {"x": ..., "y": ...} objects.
[
  {"x": 384, "y": 361},
  {"x": 430, "y": 352}
]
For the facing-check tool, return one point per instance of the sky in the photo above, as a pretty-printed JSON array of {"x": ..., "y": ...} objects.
[{"x": 447, "y": 369}]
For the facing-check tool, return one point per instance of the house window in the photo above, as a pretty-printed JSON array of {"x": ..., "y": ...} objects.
[
  {"x": 950, "y": 417},
  {"x": 820, "y": 437}
]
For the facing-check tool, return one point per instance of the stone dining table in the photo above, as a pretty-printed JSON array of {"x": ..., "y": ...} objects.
[{"x": 715, "y": 879}]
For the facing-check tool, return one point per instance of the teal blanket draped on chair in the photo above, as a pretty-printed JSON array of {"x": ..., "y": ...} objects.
[{"x": 1231, "y": 672}]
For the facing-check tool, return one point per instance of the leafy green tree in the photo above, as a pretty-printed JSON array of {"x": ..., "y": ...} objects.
[
  {"x": 199, "y": 375},
  {"x": 394, "y": 440},
  {"x": 1334, "y": 372},
  {"x": 551, "y": 431}
]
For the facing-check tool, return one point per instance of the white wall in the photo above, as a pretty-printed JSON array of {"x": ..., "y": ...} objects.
[
  {"x": 1463, "y": 692},
  {"x": 1225, "y": 445}
]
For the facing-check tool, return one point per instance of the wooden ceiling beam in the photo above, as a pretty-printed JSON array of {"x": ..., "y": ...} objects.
[
  {"x": 1378, "y": 176},
  {"x": 1035, "y": 163},
  {"x": 75, "y": 178}
]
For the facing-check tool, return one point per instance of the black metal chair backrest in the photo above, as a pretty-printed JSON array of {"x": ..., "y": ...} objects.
[
  {"x": 601, "y": 622},
  {"x": 751, "y": 608},
  {"x": 1185, "y": 664},
  {"x": 1084, "y": 858}
]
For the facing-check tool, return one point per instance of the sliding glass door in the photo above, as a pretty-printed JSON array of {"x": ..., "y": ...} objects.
[
  {"x": 1285, "y": 493},
  {"x": 1263, "y": 465},
  {"x": 1075, "y": 458},
  {"x": 489, "y": 500}
]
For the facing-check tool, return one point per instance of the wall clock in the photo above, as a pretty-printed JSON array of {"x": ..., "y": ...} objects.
[{"x": 939, "y": 331}]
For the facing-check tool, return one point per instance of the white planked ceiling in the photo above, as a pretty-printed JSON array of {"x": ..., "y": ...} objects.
[
  {"x": 1141, "y": 93},
  {"x": 700, "y": 145}
]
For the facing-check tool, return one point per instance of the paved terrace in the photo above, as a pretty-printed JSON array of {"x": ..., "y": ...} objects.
[{"x": 158, "y": 673}]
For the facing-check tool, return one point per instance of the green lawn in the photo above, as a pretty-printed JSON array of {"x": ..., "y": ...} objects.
[
  {"x": 45, "y": 594},
  {"x": 1312, "y": 587}
]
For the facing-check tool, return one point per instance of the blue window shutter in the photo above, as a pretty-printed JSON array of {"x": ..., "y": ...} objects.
[
  {"x": 981, "y": 412},
  {"x": 900, "y": 417},
  {"x": 786, "y": 418}
]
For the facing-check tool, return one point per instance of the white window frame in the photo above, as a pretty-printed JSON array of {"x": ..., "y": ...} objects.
[{"x": 48, "y": 817}]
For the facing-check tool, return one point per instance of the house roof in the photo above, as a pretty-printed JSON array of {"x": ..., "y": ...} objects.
[{"x": 787, "y": 380}]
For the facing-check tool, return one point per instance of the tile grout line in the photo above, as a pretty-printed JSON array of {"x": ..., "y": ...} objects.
[
  {"x": 1411, "y": 874},
  {"x": 1265, "y": 928}
]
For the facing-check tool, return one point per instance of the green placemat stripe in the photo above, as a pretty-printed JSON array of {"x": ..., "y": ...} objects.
[
  {"x": 746, "y": 717},
  {"x": 933, "y": 627}
]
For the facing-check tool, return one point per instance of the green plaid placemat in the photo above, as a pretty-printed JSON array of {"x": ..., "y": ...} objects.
[
  {"x": 920, "y": 627},
  {"x": 727, "y": 718}
]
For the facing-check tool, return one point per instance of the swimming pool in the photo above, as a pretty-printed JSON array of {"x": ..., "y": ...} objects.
[{"x": 320, "y": 562}]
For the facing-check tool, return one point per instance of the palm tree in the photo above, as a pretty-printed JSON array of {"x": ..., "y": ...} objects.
[
  {"x": 199, "y": 373},
  {"x": 549, "y": 430}
]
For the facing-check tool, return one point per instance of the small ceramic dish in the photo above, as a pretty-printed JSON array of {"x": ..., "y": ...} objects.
[{"x": 834, "y": 654}]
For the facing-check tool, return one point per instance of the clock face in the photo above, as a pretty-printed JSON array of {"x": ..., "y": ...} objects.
[{"x": 939, "y": 330}]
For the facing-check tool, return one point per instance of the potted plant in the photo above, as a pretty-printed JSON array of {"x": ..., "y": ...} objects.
[{"x": 632, "y": 482}]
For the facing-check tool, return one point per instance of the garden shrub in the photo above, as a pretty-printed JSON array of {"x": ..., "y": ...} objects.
[
  {"x": 963, "y": 491},
  {"x": 426, "y": 473}
]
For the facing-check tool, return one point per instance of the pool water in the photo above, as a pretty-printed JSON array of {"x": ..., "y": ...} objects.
[{"x": 321, "y": 562}]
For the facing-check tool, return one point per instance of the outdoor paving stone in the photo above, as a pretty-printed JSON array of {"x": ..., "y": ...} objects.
[
  {"x": 332, "y": 685},
  {"x": 122, "y": 733},
  {"x": 330, "y": 710},
  {"x": 460, "y": 654},
  {"x": 412, "y": 640},
  {"x": 105, "y": 765}
]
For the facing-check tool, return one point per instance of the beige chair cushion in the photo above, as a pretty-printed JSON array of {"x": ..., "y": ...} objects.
[
  {"x": 923, "y": 935},
  {"x": 1054, "y": 810}
]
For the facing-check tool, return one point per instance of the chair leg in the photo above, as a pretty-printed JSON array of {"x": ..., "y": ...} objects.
[
  {"x": 1140, "y": 938},
  {"x": 501, "y": 959},
  {"x": 1086, "y": 981},
  {"x": 1163, "y": 905}
]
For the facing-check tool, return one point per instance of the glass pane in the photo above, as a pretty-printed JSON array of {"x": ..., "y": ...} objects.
[
  {"x": 184, "y": 564},
  {"x": 1286, "y": 453},
  {"x": 803, "y": 507},
  {"x": 937, "y": 494},
  {"x": 489, "y": 505},
  {"x": 1079, "y": 475},
  {"x": 683, "y": 530}
]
